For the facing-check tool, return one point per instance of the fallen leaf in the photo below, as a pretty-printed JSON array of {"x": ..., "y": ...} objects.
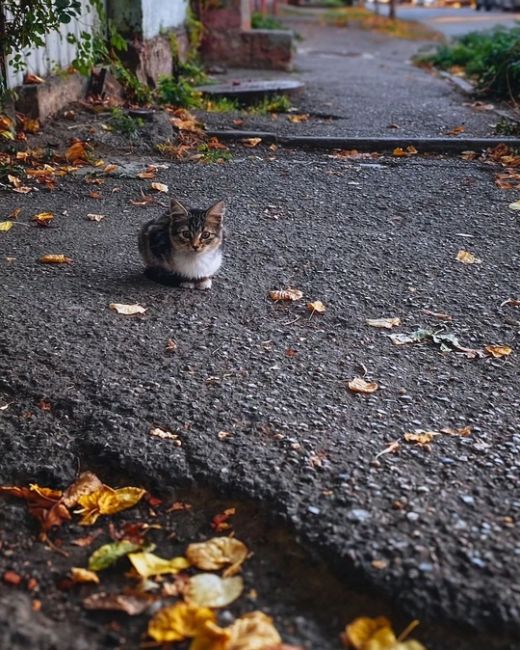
[
  {"x": 87, "y": 540},
  {"x": 110, "y": 169},
  {"x": 171, "y": 346},
  {"x": 385, "y": 323},
  {"x": 421, "y": 438},
  {"x": 515, "y": 205},
  {"x": 391, "y": 449},
  {"x": 107, "y": 501},
  {"x": 147, "y": 564},
  {"x": 95, "y": 217},
  {"x": 163, "y": 433},
  {"x": 95, "y": 195},
  {"x": 43, "y": 503},
  {"x": 22, "y": 190},
  {"x": 286, "y": 295},
  {"x": 159, "y": 187},
  {"x": 469, "y": 155},
  {"x": 79, "y": 575},
  {"x": 457, "y": 130},
  {"x": 253, "y": 631},
  {"x": 43, "y": 218},
  {"x": 219, "y": 523},
  {"x": 467, "y": 258},
  {"x": 316, "y": 307},
  {"x": 376, "y": 634},
  {"x": 144, "y": 200},
  {"x": 210, "y": 590},
  {"x": 28, "y": 124},
  {"x": 180, "y": 621},
  {"x": 14, "y": 214},
  {"x": 31, "y": 79},
  {"x": 445, "y": 340},
  {"x": 131, "y": 604},
  {"x": 437, "y": 314},
  {"x": 380, "y": 565},
  {"x": 251, "y": 142},
  {"x": 55, "y": 259},
  {"x": 11, "y": 578},
  {"x": 127, "y": 310},
  {"x": 149, "y": 173},
  {"x": 179, "y": 506},
  {"x": 216, "y": 553},
  {"x": 77, "y": 152},
  {"x": 87, "y": 483},
  {"x": 224, "y": 435},
  {"x": 497, "y": 351},
  {"x": 462, "y": 431},
  {"x": 511, "y": 301},
  {"x": 359, "y": 385},
  {"x": 5, "y": 226},
  {"x": 297, "y": 119},
  {"x": 108, "y": 554},
  {"x": 399, "y": 152}
]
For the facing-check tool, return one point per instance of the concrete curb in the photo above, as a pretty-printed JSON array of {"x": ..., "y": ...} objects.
[{"x": 446, "y": 145}]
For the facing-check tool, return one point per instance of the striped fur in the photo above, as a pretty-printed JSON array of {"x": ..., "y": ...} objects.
[{"x": 183, "y": 247}]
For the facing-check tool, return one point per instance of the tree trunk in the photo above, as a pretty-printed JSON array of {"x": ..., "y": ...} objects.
[{"x": 391, "y": 12}]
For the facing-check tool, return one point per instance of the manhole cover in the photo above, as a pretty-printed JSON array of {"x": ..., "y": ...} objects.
[{"x": 249, "y": 91}]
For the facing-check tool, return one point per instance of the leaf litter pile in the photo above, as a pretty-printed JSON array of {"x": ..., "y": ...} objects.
[{"x": 163, "y": 573}]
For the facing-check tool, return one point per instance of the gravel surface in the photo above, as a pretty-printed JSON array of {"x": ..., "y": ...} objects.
[{"x": 370, "y": 239}]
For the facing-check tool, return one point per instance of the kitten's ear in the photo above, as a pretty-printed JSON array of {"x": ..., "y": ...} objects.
[
  {"x": 177, "y": 210},
  {"x": 215, "y": 214}
]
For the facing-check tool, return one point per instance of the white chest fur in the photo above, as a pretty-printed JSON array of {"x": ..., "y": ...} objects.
[{"x": 196, "y": 265}]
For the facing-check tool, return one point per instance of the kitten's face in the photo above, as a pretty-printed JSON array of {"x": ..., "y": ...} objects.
[{"x": 196, "y": 231}]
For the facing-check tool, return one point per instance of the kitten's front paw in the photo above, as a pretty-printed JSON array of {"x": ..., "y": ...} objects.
[
  {"x": 205, "y": 284},
  {"x": 187, "y": 285}
]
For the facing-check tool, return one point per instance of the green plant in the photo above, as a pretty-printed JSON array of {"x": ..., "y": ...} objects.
[
  {"x": 273, "y": 104},
  {"x": 220, "y": 105},
  {"x": 261, "y": 21},
  {"x": 210, "y": 155},
  {"x": 491, "y": 58},
  {"x": 507, "y": 127},
  {"x": 178, "y": 92},
  {"x": 125, "y": 124}
]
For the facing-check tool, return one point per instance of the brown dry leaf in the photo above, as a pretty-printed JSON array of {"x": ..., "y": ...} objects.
[
  {"x": 286, "y": 295},
  {"x": 219, "y": 523},
  {"x": 253, "y": 631},
  {"x": 55, "y": 259},
  {"x": 224, "y": 435},
  {"x": 30, "y": 78},
  {"x": 469, "y": 155},
  {"x": 5, "y": 226},
  {"x": 376, "y": 634},
  {"x": 467, "y": 258},
  {"x": 437, "y": 314},
  {"x": 497, "y": 351},
  {"x": 143, "y": 200},
  {"x": 316, "y": 307},
  {"x": 87, "y": 483},
  {"x": 22, "y": 190},
  {"x": 462, "y": 431},
  {"x": 95, "y": 195},
  {"x": 87, "y": 540},
  {"x": 511, "y": 301},
  {"x": 359, "y": 385},
  {"x": 14, "y": 180},
  {"x": 107, "y": 501},
  {"x": 79, "y": 575},
  {"x": 149, "y": 173},
  {"x": 421, "y": 438},
  {"x": 171, "y": 346},
  {"x": 386, "y": 323},
  {"x": 131, "y": 604},
  {"x": 399, "y": 152},
  {"x": 210, "y": 590},
  {"x": 127, "y": 310},
  {"x": 185, "y": 121},
  {"x": 165, "y": 435},
  {"x": 77, "y": 152},
  {"x": 43, "y": 218},
  {"x": 14, "y": 214},
  {"x": 457, "y": 130},
  {"x": 251, "y": 142},
  {"x": 180, "y": 621},
  {"x": 391, "y": 449},
  {"x": 43, "y": 503},
  {"x": 159, "y": 187},
  {"x": 218, "y": 552},
  {"x": 95, "y": 217},
  {"x": 297, "y": 119}
]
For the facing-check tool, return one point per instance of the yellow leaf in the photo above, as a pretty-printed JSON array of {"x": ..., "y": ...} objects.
[
  {"x": 210, "y": 590},
  {"x": 251, "y": 142},
  {"x": 253, "y": 631},
  {"x": 55, "y": 259},
  {"x": 362, "y": 629},
  {"x": 85, "y": 484},
  {"x": 217, "y": 553},
  {"x": 359, "y": 385},
  {"x": 79, "y": 575},
  {"x": 178, "y": 622},
  {"x": 316, "y": 307},
  {"x": 5, "y": 226},
  {"x": 498, "y": 351},
  {"x": 147, "y": 564},
  {"x": 212, "y": 637},
  {"x": 43, "y": 218},
  {"x": 286, "y": 294},
  {"x": 398, "y": 152},
  {"x": 515, "y": 205},
  {"x": 421, "y": 438},
  {"x": 297, "y": 119},
  {"x": 127, "y": 310},
  {"x": 386, "y": 323},
  {"x": 467, "y": 258},
  {"x": 7, "y": 135},
  {"x": 107, "y": 501},
  {"x": 159, "y": 187},
  {"x": 463, "y": 431}
]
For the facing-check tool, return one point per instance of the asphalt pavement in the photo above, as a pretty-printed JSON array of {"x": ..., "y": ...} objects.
[{"x": 431, "y": 529}]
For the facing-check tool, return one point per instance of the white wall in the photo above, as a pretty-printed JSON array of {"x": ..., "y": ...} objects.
[
  {"x": 57, "y": 51},
  {"x": 159, "y": 15}
]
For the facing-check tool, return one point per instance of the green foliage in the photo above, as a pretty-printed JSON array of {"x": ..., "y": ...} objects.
[
  {"x": 491, "y": 58},
  {"x": 195, "y": 31},
  {"x": 507, "y": 127},
  {"x": 213, "y": 155},
  {"x": 221, "y": 105},
  {"x": 178, "y": 92},
  {"x": 261, "y": 21},
  {"x": 125, "y": 124},
  {"x": 274, "y": 104}
]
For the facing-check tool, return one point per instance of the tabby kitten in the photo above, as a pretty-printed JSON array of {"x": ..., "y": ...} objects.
[{"x": 183, "y": 247}]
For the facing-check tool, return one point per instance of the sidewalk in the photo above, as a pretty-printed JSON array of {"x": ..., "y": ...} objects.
[{"x": 382, "y": 525}]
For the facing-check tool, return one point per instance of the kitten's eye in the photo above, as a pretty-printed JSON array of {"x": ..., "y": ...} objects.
[
  {"x": 185, "y": 234},
  {"x": 205, "y": 235}
]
